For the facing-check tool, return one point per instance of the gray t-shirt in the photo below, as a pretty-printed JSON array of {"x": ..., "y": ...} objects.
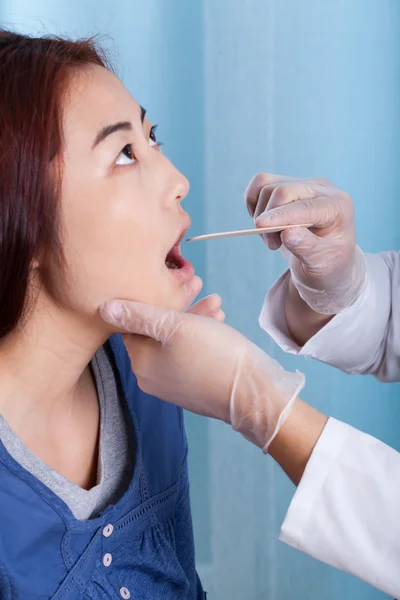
[{"x": 116, "y": 451}]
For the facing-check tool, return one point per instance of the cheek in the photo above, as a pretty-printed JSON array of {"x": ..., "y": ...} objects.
[
  {"x": 119, "y": 272},
  {"x": 108, "y": 250},
  {"x": 113, "y": 265},
  {"x": 111, "y": 250}
]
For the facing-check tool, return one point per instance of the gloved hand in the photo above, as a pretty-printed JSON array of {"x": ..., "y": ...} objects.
[
  {"x": 206, "y": 367},
  {"x": 327, "y": 268}
]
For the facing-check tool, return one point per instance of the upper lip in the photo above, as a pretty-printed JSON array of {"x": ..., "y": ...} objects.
[
  {"x": 183, "y": 232},
  {"x": 174, "y": 253}
]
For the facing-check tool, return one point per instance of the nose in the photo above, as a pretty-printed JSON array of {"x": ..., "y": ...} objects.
[
  {"x": 177, "y": 184},
  {"x": 183, "y": 186}
]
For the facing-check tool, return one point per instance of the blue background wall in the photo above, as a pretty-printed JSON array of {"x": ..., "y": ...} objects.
[{"x": 303, "y": 88}]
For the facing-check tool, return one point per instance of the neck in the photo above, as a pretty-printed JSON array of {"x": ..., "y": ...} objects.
[{"x": 44, "y": 366}]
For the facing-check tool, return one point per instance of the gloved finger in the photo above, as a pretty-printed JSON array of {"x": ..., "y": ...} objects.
[
  {"x": 272, "y": 240},
  {"x": 219, "y": 316},
  {"x": 304, "y": 245},
  {"x": 257, "y": 196},
  {"x": 207, "y": 307},
  {"x": 322, "y": 212},
  {"x": 192, "y": 290},
  {"x": 259, "y": 181},
  {"x": 154, "y": 322},
  {"x": 282, "y": 194},
  {"x": 288, "y": 192}
]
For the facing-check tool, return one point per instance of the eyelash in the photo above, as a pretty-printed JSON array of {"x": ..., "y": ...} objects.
[
  {"x": 153, "y": 133},
  {"x": 152, "y": 137}
]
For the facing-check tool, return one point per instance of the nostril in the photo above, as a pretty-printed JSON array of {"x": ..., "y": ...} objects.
[{"x": 183, "y": 188}]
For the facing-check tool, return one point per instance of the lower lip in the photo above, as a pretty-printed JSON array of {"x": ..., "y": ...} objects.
[{"x": 185, "y": 273}]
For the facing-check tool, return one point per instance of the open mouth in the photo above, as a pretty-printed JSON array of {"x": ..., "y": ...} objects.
[
  {"x": 176, "y": 263},
  {"x": 174, "y": 259}
]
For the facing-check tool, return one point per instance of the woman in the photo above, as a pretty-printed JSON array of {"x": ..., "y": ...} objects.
[
  {"x": 335, "y": 304},
  {"x": 93, "y": 486}
]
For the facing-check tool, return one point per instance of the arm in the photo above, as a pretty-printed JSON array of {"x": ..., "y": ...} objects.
[
  {"x": 302, "y": 321},
  {"x": 352, "y": 340},
  {"x": 345, "y": 511},
  {"x": 296, "y": 440}
]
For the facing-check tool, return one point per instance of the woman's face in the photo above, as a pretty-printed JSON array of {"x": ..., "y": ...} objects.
[{"x": 121, "y": 214}]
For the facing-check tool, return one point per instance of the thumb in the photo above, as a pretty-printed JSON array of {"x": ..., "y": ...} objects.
[
  {"x": 303, "y": 244},
  {"x": 154, "y": 322}
]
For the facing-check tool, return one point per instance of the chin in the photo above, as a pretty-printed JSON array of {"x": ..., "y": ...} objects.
[
  {"x": 175, "y": 304},
  {"x": 176, "y": 300},
  {"x": 179, "y": 305}
]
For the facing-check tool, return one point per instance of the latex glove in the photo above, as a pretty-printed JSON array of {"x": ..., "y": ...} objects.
[
  {"x": 327, "y": 268},
  {"x": 206, "y": 367},
  {"x": 210, "y": 306}
]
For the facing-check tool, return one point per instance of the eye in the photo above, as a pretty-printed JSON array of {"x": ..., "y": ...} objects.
[
  {"x": 152, "y": 137},
  {"x": 126, "y": 156}
]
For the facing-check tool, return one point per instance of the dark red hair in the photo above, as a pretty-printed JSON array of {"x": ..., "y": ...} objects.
[{"x": 34, "y": 74}]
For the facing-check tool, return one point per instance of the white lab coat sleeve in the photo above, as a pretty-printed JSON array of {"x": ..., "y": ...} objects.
[
  {"x": 346, "y": 510},
  {"x": 364, "y": 338}
]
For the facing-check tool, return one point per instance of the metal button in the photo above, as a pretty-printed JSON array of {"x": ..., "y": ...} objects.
[
  {"x": 107, "y": 559},
  {"x": 125, "y": 593},
  {"x": 108, "y": 529}
]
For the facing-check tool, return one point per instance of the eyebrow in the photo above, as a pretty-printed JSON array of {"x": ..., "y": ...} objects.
[{"x": 120, "y": 126}]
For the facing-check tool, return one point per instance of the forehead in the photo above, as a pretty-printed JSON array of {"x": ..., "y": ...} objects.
[{"x": 95, "y": 98}]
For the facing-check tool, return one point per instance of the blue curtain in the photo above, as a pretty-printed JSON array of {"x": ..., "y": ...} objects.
[{"x": 304, "y": 88}]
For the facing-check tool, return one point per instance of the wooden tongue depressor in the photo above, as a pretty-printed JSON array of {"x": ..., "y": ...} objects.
[{"x": 258, "y": 231}]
